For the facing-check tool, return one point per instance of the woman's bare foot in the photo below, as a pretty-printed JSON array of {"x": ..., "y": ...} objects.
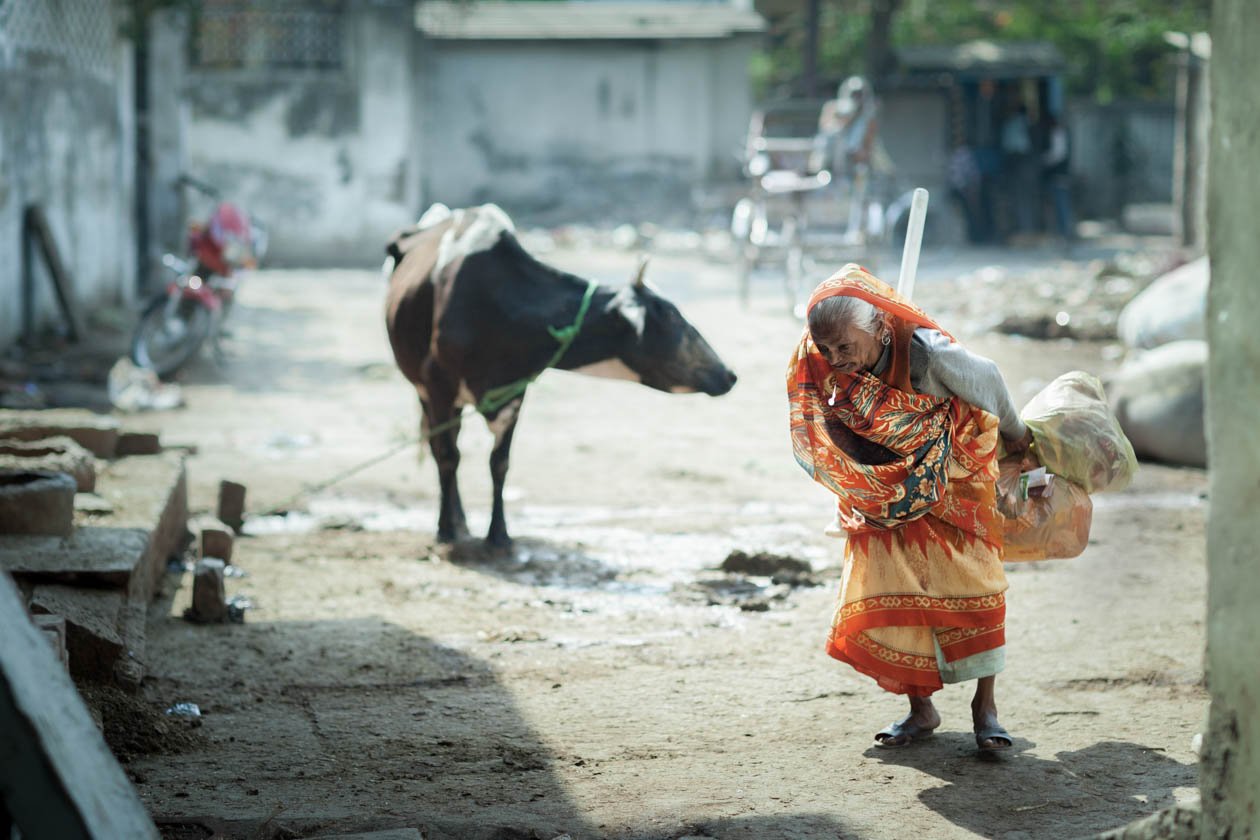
[{"x": 920, "y": 723}]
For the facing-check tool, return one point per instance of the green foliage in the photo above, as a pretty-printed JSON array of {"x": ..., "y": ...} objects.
[{"x": 1114, "y": 48}]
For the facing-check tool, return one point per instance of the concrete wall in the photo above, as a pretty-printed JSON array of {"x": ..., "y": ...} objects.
[
  {"x": 1121, "y": 154},
  {"x": 168, "y": 123},
  {"x": 67, "y": 138},
  {"x": 1231, "y": 763},
  {"x": 914, "y": 128},
  {"x": 323, "y": 158},
  {"x": 618, "y": 130}
]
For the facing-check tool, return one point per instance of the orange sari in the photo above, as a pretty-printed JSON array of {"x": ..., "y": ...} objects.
[{"x": 914, "y": 477}]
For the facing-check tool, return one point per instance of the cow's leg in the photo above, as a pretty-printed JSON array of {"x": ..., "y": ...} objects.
[
  {"x": 442, "y": 416},
  {"x": 503, "y": 425}
]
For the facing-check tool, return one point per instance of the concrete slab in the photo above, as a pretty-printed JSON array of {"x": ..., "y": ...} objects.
[
  {"x": 106, "y": 557},
  {"x": 94, "y": 627},
  {"x": 59, "y": 777},
  {"x": 36, "y": 502},
  {"x": 148, "y": 492},
  {"x": 97, "y": 433}
]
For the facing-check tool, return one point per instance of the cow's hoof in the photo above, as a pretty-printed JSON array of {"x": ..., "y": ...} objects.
[{"x": 499, "y": 542}]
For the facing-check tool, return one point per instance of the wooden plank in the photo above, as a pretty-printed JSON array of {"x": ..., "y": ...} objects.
[
  {"x": 57, "y": 777},
  {"x": 35, "y": 223}
]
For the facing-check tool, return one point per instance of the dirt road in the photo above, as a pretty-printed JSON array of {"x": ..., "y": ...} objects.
[{"x": 605, "y": 680}]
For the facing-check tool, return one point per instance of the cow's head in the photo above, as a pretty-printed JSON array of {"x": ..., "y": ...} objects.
[{"x": 665, "y": 350}]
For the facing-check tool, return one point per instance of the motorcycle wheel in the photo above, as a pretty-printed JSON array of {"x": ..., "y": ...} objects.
[{"x": 164, "y": 340}]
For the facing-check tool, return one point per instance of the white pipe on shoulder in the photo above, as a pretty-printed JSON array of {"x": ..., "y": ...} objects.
[{"x": 914, "y": 242}]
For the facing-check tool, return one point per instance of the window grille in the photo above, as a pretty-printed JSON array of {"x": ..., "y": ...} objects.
[
  {"x": 74, "y": 34},
  {"x": 237, "y": 34}
]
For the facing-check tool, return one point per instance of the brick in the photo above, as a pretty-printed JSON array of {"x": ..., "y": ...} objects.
[
  {"x": 209, "y": 600},
  {"x": 214, "y": 538},
  {"x": 138, "y": 443},
  {"x": 232, "y": 504}
]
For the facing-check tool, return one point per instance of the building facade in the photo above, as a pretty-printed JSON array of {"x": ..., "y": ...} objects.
[{"x": 67, "y": 147}]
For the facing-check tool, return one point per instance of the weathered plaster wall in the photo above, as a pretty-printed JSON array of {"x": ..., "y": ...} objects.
[
  {"x": 168, "y": 121},
  {"x": 67, "y": 143},
  {"x": 324, "y": 159},
  {"x": 1122, "y": 153},
  {"x": 914, "y": 127},
  {"x": 1231, "y": 764},
  {"x": 584, "y": 127}
]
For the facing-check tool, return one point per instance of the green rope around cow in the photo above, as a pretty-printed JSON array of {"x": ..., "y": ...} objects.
[
  {"x": 490, "y": 402},
  {"x": 495, "y": 398}
]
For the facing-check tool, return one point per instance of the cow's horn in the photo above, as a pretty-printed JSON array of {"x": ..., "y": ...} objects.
[{"x": 638, "y": 275}]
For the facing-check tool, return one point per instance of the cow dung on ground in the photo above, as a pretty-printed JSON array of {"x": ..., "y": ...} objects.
[{"x": 764, "y": 563}]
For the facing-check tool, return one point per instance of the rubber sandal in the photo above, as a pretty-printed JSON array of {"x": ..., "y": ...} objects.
[
  {"x": 911, "y": 731},
  {"x": 994, "y": 733}
]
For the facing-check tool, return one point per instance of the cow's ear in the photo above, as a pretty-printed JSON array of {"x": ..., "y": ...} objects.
[{"x": 627, "y": 305}]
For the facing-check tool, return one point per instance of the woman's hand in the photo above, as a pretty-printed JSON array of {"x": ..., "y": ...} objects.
[
  {"x": 1022, "y": 447},
  {"x": 1016, "y": 446}
]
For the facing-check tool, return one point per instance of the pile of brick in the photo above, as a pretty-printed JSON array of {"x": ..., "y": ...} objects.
[{"x": 90, "y": 515}]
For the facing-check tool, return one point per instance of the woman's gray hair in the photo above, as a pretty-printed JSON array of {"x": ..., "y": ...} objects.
[{"x": 829, "y": 314}]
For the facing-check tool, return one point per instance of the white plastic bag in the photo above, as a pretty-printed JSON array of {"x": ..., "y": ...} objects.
[{"x": 1077, "y": 437}]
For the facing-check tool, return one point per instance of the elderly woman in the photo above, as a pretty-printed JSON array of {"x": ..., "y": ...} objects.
[{"x": 902, "y": 423}]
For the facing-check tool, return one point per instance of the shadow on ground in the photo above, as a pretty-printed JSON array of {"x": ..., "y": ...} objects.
[
  {"x": 348, "y": 726},
  {"x": 531, "y": 562},
  {"x": 1016, "y": 794}
]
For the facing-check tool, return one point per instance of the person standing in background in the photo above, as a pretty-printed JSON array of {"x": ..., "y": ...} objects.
[
  {"x": 845, "y": 144},
  {"x": 1055, "y": 162},
  {"x": 1019, "y": 168}
]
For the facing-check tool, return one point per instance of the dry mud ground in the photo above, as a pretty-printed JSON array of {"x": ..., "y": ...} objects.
[{"x": 604, "y": 680}]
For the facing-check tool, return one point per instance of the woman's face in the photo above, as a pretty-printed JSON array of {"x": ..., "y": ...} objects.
[{"x": 849, "y": 348}]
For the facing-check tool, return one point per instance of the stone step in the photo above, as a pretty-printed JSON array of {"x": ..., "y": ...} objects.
[
  {"x": 123, "y": 543},
  {"x": 102, "y": 577}
]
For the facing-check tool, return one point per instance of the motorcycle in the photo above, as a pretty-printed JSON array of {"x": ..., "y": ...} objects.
[{"x": 195, "y": 302}]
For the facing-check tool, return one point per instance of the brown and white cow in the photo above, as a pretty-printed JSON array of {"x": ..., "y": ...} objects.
[{"x": 469, "y": 309}]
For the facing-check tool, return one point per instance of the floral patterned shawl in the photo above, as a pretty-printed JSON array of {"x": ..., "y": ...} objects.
[{"x": 890, "y": 455}]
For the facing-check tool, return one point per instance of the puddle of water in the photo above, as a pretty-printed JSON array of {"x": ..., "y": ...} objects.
[
  {"x": 294, "y": 522},
  {"x": 606, "y": 560}
]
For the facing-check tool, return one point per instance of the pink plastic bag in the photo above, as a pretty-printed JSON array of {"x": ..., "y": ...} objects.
[{"x": 1051, "y": 525}]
